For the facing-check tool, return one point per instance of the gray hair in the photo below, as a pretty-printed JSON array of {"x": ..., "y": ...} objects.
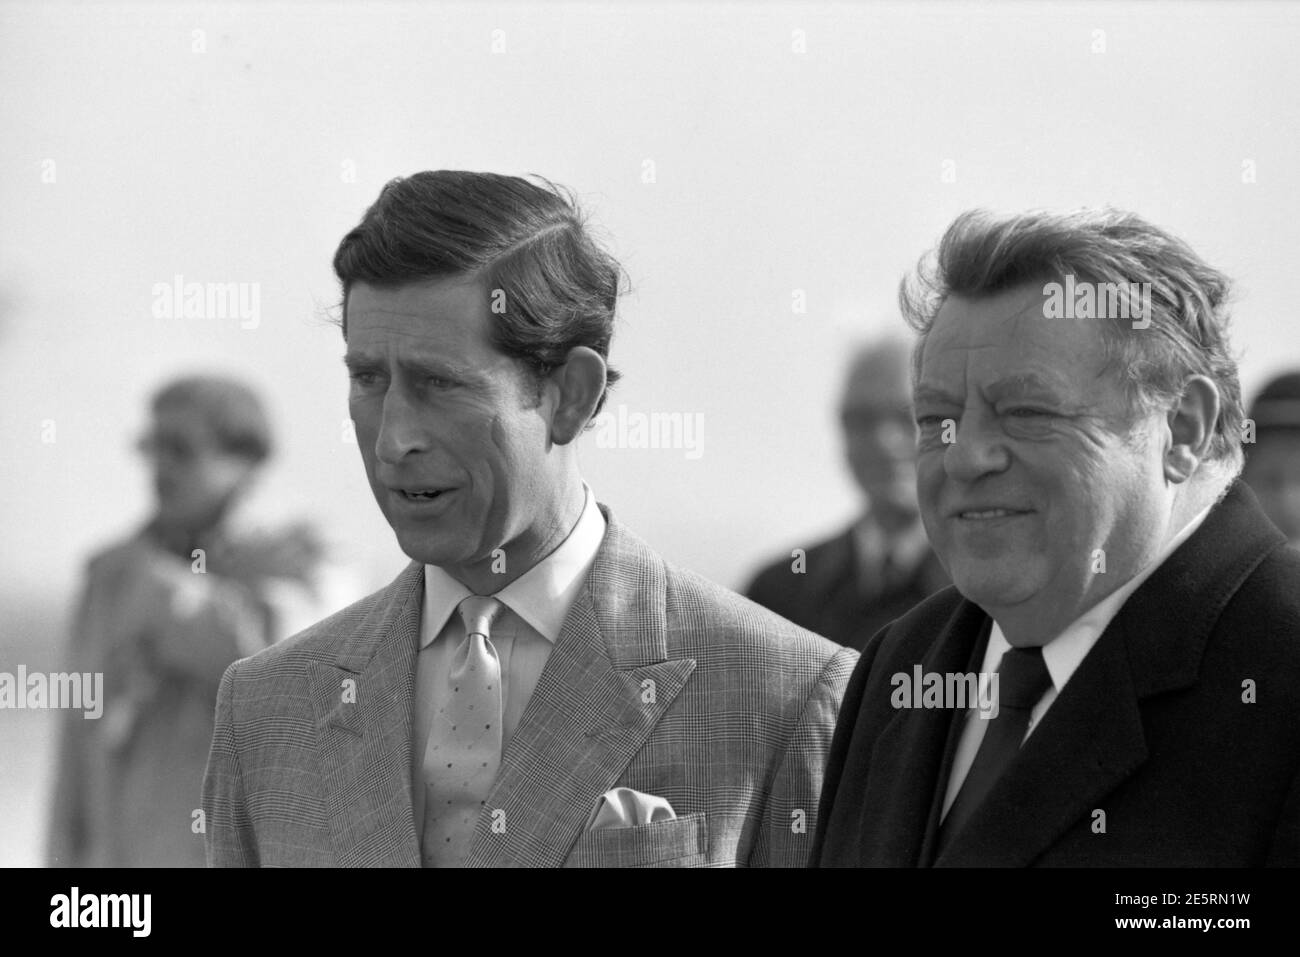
[{"x": 984, "y": 254}]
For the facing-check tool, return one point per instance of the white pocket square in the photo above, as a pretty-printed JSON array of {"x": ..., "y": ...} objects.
[{"x": 624, "y": 807}]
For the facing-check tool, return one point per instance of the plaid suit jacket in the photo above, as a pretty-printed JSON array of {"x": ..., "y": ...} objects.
[{"x": 660, "y": 681}]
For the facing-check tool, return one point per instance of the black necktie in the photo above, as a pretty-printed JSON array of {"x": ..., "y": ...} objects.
[{"x": 1022, "y": 680}]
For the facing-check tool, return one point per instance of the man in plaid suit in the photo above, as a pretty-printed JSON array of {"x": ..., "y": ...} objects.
[{"x": 538, "y": 687}]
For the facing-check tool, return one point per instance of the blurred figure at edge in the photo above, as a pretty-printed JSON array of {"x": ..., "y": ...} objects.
[{"x": 161, "y": 615}]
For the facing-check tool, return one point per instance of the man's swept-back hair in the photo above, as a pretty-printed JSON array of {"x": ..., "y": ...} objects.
[
  {"x": 982, "y": 254},
  {"x": 555, "y": 286}
]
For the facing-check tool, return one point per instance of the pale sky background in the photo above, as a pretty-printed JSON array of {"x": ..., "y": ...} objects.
[{"x": 238, "y": 142}]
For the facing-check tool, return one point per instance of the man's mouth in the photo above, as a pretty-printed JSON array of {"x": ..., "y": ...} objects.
[
  {"x": 985, "y": 514},
  {"x": 420, "y": 494}
]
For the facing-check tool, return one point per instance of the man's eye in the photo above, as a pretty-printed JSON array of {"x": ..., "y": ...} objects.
[
  {"x": 929, "y": 421},
  {"x": 1028, "y": 413},
  {"x": 363, "y": 378}
]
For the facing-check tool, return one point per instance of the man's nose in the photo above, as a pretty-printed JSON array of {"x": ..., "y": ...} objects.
[
  {"x": 979, "y": 448},
  {"x": 401, "y": 428}
]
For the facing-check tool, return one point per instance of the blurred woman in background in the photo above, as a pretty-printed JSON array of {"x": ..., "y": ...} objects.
[{"x": 161, "y": 616}]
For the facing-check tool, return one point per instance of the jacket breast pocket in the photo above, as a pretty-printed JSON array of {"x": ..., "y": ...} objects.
[{"x": 683, "y": 842}]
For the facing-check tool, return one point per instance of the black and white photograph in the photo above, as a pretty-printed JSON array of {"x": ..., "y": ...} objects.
[{"x": 641, "y": 434}]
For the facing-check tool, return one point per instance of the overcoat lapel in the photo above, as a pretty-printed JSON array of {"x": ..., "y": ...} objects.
[
  {"x": 908, "y": 756},
  {"x": 1088, "y": 743}
]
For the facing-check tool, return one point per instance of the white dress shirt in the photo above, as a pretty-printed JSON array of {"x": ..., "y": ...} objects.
[
  {"x": 1062, "y": 655},
  {"x": 536, "y": 604},
  {"x": 906, "y": 549}
]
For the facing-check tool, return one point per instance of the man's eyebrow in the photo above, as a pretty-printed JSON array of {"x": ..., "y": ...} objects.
[
  {"x": 437, "y": 369},
  {"x": 354, "y": 360},
  {"x": 413, "y": 366},
  {"x": 1022, "y": 384},
  {"x": 926, "y": 393}
]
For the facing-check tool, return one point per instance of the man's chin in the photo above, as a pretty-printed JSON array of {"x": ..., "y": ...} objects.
[
  {"x": 432, "y": 551},
  {"x": 993, "y": 589}
]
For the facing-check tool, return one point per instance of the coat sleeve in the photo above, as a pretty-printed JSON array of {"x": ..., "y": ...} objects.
[
  {"x": 790, "y": 817},
  {"x": 229, "y": 839}
]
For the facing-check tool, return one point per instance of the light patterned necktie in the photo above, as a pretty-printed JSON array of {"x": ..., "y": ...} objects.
[{"x": 464, "y": 750}]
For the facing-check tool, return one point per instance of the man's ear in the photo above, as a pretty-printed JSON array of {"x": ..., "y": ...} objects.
[
  {"x": 577, "y": 386},
  {"x": 1191, "y": 428}
]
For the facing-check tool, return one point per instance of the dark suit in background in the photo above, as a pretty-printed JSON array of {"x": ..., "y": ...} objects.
[
  {"x": 1272, "y": 467},
  {"x": 848, "y": 587},
  {"x": 838, "y": 597}
]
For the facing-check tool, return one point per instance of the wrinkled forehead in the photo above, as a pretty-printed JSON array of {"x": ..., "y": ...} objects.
[
  {"x": 451, "y": 309},
  {"x": 1005, "y": 340}
]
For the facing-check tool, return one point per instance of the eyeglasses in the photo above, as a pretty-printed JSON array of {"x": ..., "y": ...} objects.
[{"x": 178, "y": 448}]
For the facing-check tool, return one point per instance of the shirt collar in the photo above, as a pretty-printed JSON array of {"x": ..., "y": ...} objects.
[
  {"x": 912, "y": 546},
  {"x": 541, "y": 596},
  {"x": 907, "y": 548},
  {"x": 1064, "y": 653}
]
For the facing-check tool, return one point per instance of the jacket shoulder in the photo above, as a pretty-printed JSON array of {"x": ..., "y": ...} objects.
[
  {"x": 776, "y": 576},
  {"x": 108, "y": 558},
  {"x": 1267, "y": 608},
  {"x": 720, "y": 621},
  {"x": 324, "y": 639},
  {"x": 919, "y": 627}
]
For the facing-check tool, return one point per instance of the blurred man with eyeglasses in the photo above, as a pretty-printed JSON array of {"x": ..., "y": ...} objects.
[
  {"x": 850, "y": 586},
  {"x": 161, "y": 615}
]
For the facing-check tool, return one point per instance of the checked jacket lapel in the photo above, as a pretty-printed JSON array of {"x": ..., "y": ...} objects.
[
  {"x": 363, "y": 702},
  {"x": 603, "y": 690}
]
